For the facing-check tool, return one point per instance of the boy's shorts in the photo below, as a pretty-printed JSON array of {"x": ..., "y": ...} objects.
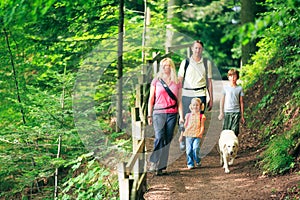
[{"x": 232, "y": 122}]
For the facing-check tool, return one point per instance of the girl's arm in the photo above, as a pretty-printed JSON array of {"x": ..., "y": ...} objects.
[
  {"x": 202, "y": 126},
  {"x": 186, "y": 120}
]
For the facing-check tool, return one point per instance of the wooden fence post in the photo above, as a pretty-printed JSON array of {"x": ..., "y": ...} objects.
[{"x": 124, "y": 184}]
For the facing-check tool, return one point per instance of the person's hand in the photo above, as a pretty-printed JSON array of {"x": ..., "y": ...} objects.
[
  {"x": 180, "y": 137},
  {"x": 149, "y": 120},
  {"x": 221, "y": 116},
  {"x": 181, "y": 120},
  {"x": 210, "y": 105},
  {"x": 243, "y": 120}
]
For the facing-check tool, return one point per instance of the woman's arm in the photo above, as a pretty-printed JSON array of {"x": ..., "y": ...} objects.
[
  {"x": 151, "y": 104},
  {"x": 180, "y": 109}
]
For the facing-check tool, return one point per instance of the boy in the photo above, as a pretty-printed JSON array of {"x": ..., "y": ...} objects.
[{"x": 232, "y": 104}]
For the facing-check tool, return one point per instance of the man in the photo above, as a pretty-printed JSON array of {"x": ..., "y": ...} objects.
[{"x": 194, "y": 81}]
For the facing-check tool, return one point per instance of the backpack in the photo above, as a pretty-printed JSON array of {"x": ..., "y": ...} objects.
[{"x": 187, "y": 62}]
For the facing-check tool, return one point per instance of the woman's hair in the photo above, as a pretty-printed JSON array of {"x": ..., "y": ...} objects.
[
  {"x": 173, "y": 70},
  {"x": 197, "y": 100},
  {"x": 233, "y": 72},
  {"x": 199, "y": 42}
]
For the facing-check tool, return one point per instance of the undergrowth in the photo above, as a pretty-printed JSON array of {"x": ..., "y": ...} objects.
[
  {"x": 271, "y": 84},
  {"x": 89, "y": 180}
]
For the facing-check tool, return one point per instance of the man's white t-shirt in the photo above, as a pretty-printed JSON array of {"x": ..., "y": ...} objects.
[{"x": 195, "y": 77}]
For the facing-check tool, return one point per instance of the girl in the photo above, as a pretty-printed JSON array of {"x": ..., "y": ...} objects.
[{"x": 194, "y": 129}]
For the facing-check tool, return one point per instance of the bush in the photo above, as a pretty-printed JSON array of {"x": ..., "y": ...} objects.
[{"x": 276, "y": 157}]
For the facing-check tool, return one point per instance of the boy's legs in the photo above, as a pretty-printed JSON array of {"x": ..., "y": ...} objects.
[
  {"x": 236, "y": 123},
  {"x": 231, "y": 122}
]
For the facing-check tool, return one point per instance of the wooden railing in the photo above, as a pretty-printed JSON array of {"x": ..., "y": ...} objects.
[{"x": 132, "y": 174}]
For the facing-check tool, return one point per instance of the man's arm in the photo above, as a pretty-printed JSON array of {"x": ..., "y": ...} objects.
[{"x": 210, "y": 90}]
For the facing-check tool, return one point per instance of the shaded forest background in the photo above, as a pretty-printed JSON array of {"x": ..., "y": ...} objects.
[{"x": 58, "y": 64}]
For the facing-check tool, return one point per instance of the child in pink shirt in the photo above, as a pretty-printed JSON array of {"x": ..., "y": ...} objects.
[{"x": 194, "y": 129}]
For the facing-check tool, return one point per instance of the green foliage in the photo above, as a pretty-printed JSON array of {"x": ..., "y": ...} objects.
[
  {"x": 252, "y": 73},
  {"x": 47, "y": 41},
  {"x": 210, "y": 21},
  {"x": 90, "y": 180},
  {"x": 274, "y": 77},
  {"x": 276, "y": 158}
]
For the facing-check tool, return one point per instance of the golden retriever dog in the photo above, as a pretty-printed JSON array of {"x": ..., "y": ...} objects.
[{"x": 228, "y": 146}]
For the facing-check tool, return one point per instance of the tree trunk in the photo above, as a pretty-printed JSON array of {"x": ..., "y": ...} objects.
[
  {"x": 248, "y": 12},
  {"x": 15, "y": 75},
  {"x": 172, "y": 4},
  {"x": 120, "y": 68}
]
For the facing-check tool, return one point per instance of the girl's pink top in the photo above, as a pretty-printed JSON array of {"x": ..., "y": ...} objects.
[{"x": 193, "y": 124}]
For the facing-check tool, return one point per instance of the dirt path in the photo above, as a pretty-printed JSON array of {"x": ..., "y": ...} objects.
[{"x": 209, "y": 182}]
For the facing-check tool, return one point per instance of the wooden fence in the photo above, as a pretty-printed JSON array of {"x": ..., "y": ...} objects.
[{"x": 132, "y": 174}]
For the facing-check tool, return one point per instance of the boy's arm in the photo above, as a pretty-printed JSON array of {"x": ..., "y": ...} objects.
[
  {"x": 222, "y": 100},
  {"x": 242, "y": 109}
]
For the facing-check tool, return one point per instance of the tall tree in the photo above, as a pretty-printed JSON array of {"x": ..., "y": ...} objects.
[
  {"x": 120, "y": 68},
  {"x": 248, "y": 12}
]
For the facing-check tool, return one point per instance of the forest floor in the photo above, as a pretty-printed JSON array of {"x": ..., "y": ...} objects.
[{"x": 209, "y": 182}]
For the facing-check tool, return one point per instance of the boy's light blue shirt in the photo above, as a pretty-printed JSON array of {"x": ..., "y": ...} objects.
[{"x": 232, "y": 98}]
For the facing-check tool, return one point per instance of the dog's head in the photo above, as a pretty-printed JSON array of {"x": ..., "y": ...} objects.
[{"x": 231, "y": 148}]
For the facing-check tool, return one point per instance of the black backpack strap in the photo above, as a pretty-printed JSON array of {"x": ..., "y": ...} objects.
[
  {"x": 170, "y": 93},
  {"x": 187, "y": 62},
  {"x": 205, "y": 66}
]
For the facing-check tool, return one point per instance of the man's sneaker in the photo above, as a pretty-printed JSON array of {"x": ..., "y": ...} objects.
[
  {"x": 159, "y": 172},
  {"x": 152, "y": 167},
  {"x": 198, "y": 164}
]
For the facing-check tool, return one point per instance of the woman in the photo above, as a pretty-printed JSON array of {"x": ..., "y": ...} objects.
[{"x": 162, "y": 112}]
